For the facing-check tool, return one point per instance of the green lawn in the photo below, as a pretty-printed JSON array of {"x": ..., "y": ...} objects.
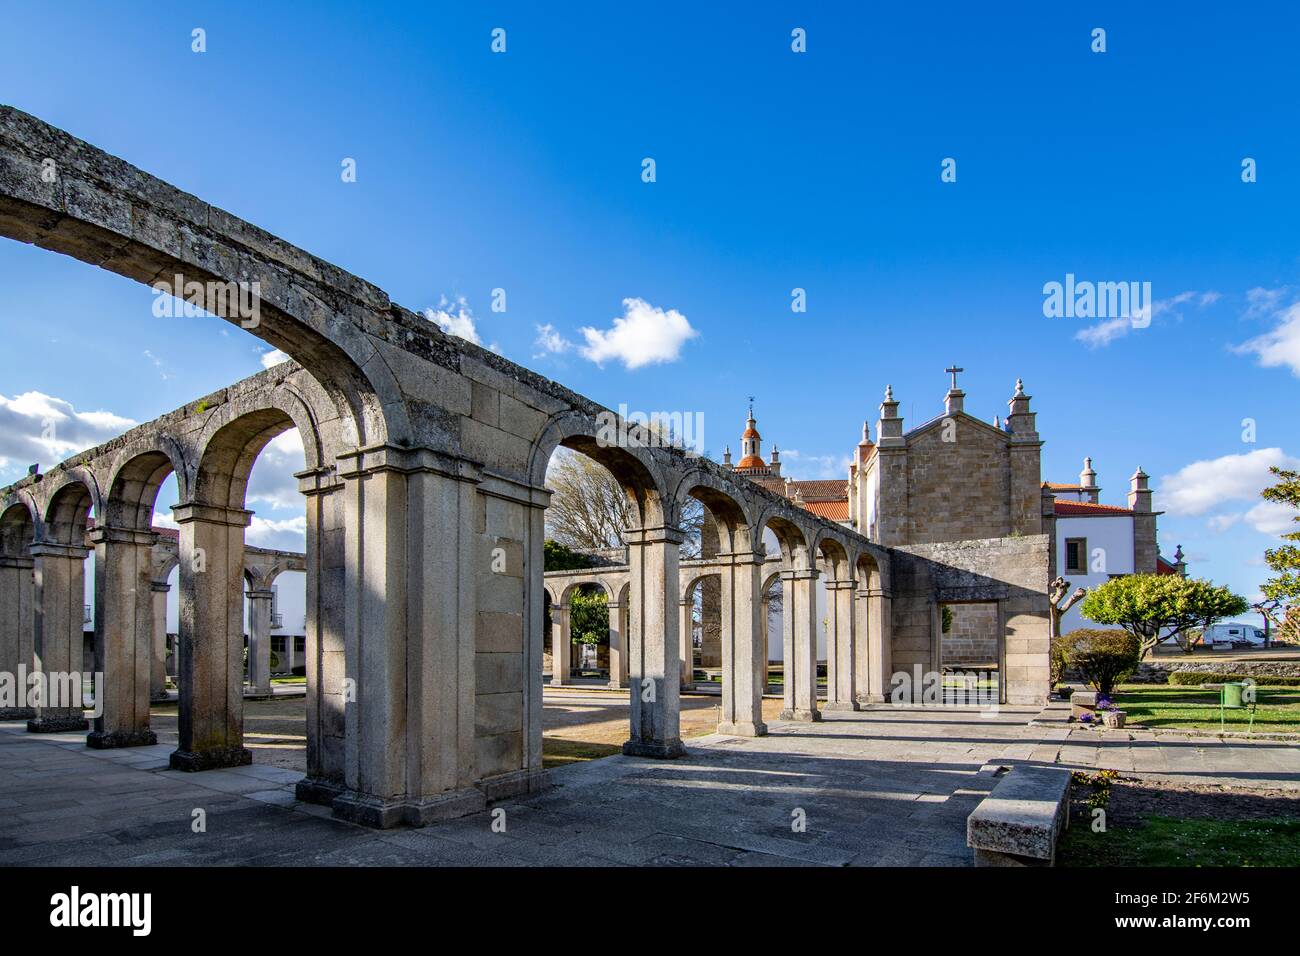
[
  {"x": 1194, "y": 708},
  {"x": 288, "y": 680},
  {"x": 1162, "y": 841}
]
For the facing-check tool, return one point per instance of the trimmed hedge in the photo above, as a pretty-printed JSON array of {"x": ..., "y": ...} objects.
[
  {"x": 1102, "y": 657},
  {"x": 1196, "y": 678}
]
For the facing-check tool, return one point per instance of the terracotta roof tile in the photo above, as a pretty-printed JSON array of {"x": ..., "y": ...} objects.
[
  {"x": 1079, "y": 509},
  {"x": 823, "y": 488},
  {"x": 832, "y": 510}
]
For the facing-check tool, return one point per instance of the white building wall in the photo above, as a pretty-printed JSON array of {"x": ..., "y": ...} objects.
[{"x": 1110, "y": 552}]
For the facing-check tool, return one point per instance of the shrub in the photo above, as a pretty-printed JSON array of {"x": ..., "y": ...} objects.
[
  {"x": 1103, "y": 658},
  {"x": 1197, "y": 678},
  {"x": 1059, "y": 657}
]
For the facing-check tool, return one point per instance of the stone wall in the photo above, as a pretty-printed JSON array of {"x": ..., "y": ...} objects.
[
  {"x": 1013, "y": 572},
  {"x": 1157, "y": 672},
  {"x": 958, "y": 489},
  {"x": 972, "y": 637}
]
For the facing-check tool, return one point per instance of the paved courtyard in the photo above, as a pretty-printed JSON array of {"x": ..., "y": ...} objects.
[{"x": 885, "y": 787}]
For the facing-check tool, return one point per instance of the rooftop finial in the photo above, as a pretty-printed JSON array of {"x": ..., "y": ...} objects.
[
  {"x": 751, "y": 406},
  {"x": 889, "y": 393},
  {"x": 953, "y": 372},
  {"x": 1020, "y": 388}
]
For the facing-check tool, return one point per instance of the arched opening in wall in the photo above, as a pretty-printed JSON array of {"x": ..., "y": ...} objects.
[
  {"x": 588, "y": 634},
  {"x": 17, "y": 591},
  {"x": 68, "y": 518},
  {"x": 782, "y": 537},
  {"x": 701, "y": 626},
  {"x": 970, "y": 640},
  {"x": 773, "y": 619}
]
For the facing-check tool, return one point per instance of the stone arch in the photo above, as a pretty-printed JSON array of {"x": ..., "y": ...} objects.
[
  {"x": 134, "y": 480},
  {"x": 834, "y": 556},
  {"x": 18, "y": 521},
  {"x": 147, "y": 230},
  {"x": 634, "y": 468},
  {"x": 790, "y": 535},
  {"x": 722, "y": 501},
  {"x": 69, "y": 503}
]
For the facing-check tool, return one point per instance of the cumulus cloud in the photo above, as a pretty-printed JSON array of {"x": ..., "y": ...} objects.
[
  {"x": 550, "y": 341},
  {"x": 289, "y": 534},
  {"x": 39, "y": 428},
  {"x": 1280, "y": 345},
  {"x": 454, "y": 318},
  {"x": 643, "y": 335},
  {"x": 272, "y": 482},
  {"x": 1206, "y": 485},
  {"x": 1103, "y": 333},
  {"x": 272, "y": 358}
]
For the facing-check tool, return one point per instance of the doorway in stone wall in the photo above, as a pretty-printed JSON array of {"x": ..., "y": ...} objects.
[{"x": 971, "y": 652}]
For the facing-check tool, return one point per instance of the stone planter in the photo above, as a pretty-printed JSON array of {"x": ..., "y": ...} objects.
[{"x": 1113, "y": 718}]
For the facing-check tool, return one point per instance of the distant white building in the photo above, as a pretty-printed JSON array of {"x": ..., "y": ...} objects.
[{"x": 1096, "y": 542}]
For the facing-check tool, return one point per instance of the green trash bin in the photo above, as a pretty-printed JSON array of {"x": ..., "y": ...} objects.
[{"x": 1232, "y": 695}]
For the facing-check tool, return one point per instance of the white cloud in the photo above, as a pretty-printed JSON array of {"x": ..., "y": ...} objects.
[
  {"x": 1261, "y": 302},
  {"x": 643, "y": 335},
  {"x": 817, "y": 466},
  {"x": 1103, "y": 333},
  {"x": 272, "y": 481},
  {"x": 549, "y": 340},
  {"x": 1272, "y": 517},
  {"x": 454, "y": 318},
  {"x": 273, "y": 358},
  {"x": 35, "y": 427},
  {"x": 1280, "y": 345},
  {"x": 1204, "y": 485},
  {"x": 287, "y": 535}
]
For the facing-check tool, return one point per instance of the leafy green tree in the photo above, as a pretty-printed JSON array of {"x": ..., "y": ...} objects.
[
  {"x": 1282, "y": 593},
  {"x": 1153, "y": 606},
  {"x": 1102, "y": 658},
  {"x": 559, "y": 557},
  {"x": 589, "y": 616}
]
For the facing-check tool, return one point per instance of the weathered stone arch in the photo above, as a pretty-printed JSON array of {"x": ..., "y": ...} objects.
[
  {"x": 70, "y": 497},
  {"x": 107, "y": 213},
  {"x": 18, "y": 520},
  {"x": 732, "y": 511},
  {"x": 791, "y": 536},
  {"x": 134, "y": 480}
]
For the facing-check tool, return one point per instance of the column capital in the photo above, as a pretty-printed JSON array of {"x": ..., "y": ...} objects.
[
  {"x": 103, "y": 534},
  {"x": 841, "y": 585},
  {"x": 662, "y": 534},
  {"x": 159, "y": 587},
  {"x": 17, "y": 562},
  {"x": 260, "y": 594},
  {"x": 740, "y": 557},
  {"x": 318, "y": 481},
  {"x": 212, "y": 514},
  {"x": 49, "y": 549},
  {"x": 799, "y": 574},
  {"x": 407, "y": 461}
]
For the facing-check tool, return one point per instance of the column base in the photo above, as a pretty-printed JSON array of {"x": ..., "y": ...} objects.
[
  {"x": 318, "y": 791},
  {"x": 558, "y": 683},
  {"x": 57, "y": 725},
  {"x": 253, "y": 693},
  {"x": 513, "y": 784},
  {"x": 193, "y": 762},
  {"x": 841, "y": 705},
  {"x": 17, "y": 713},
  {"x": 100, "y": 740},
  {"x": 384, "y": 814},
  {"x": 744, "y": 728},
  {"x": 615, "y": 685},
  {"x": 873, "y": 699},
  {"x": 667, "y": 750},
  {"x": 804, "y": 716}
]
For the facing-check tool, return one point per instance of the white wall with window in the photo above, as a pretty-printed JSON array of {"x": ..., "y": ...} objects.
[{"x": 1090, "y": 551}]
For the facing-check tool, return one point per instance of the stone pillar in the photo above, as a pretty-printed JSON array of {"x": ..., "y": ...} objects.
[
  {"x": 158, "y": 664},
  {"x": 654, "y": 662},
  {"x": 210, "y": 716},
  {"x": 685, "y": 639},
  {"x": 123, "y": 636},
  {"x": 327, "y": 693},
  {"x": 801, "y": 669},
  {"x": 413, "y": 558},
  {"x": 561, "y": 645},
  {"x": 841, "y": 672},
  {"x": 17, "y": 630},
  {"x": 259, "y": 641},
  {"x": 787, "y": 643},
  {"x": 59, "y": 600},
  {"x": 744, "y": 645},
  {"x": 879, "y": 665},
  {"x": 617, "y": 647}
]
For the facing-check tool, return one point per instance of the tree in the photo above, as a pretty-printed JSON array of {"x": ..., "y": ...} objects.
[
  {"x": 1281, "y": 604},
  {"x": 589, "y": 509},
  {"x": 589, "y": 616},
  {"x": 1102, "y": 658},
  {"x": 1057, "y": 592},
  {"x": 1155, "y": 606},
  {"x": 557, "y": 557}
]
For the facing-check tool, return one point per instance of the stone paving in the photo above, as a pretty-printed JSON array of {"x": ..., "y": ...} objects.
[{"x": 885, "y": 787}]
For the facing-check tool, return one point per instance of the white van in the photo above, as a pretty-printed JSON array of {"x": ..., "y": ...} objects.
[{"x": 1234, "y": 634}]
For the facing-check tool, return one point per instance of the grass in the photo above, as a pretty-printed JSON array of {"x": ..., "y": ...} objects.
[
  {"x": 1194, "y": 708},
  {"x": 288, "y": 680},
  {"x": 558, "y": 752},
  {"x": 1163, "y": 841}
]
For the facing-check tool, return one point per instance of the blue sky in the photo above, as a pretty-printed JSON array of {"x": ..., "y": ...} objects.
[{"x": 775, "y": 171}]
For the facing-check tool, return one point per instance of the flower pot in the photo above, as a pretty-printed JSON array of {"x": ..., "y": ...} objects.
[{"x": 1113, "y": 718}]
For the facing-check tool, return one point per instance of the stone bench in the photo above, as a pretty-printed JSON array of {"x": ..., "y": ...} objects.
[{"x": 1020, "y": 821}]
